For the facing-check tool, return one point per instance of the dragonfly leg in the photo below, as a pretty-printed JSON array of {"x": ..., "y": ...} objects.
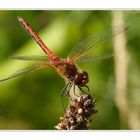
[
  {"x": 75, "y": 92},
  {"x": 63, "y": 92},
  {"x": 67, "y": 92},
  {"x": 87, "y": 88},
  {"x": 82, "y": 90}
]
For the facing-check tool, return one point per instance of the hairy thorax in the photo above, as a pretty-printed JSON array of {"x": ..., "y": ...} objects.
[{"x": 67, "y": 69}]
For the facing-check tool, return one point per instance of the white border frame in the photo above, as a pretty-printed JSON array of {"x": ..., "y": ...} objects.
[
  {"x": 69, "y": 4},
  {"x": 69, "y": 135},
  {"x": 73, "y": 5}
]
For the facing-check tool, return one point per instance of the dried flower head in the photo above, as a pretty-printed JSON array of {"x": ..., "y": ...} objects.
[{"x": 78, "y": 114}]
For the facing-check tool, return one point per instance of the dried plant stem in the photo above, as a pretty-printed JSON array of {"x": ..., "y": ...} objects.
[
  {"x": 121, "y": 63},
  {"x": 134, "y": 118}
]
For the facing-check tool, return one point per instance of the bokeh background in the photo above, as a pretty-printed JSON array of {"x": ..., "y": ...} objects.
[{"x": 33, "y": 102}]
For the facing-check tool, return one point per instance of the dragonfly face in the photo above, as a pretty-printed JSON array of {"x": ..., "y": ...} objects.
[{"x": 81, "y": 79}]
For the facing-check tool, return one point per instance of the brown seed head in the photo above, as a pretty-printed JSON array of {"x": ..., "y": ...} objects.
[{"x": 78, "y": 114}]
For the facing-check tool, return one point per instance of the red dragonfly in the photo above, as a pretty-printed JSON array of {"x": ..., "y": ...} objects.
[{"x": 66, "y": 67}]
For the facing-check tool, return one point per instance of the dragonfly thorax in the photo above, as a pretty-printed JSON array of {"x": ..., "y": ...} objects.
[{"x": 67, "y": 69}]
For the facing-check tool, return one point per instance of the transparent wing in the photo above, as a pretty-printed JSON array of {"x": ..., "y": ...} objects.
[
  {"x": 31, "y": 58},
  {"x": 94, "y": 41},
  {"x": 26, "y": 70},
  {"x": 86, "y": 59}
]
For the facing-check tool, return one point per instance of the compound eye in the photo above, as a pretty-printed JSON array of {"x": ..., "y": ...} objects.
[
  {"x": 84, "y": 82},
  {"x": 85, "y": 75},
  {"x": 78, "y": 79}
]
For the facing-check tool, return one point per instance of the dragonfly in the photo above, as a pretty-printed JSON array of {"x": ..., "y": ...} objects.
[{"x": 66, "y": 67}]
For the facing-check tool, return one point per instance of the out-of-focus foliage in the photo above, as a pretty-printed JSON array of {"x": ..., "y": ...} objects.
[{"x": 33, "y": 101}]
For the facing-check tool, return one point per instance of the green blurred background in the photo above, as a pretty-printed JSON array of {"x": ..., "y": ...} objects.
[{"x": 32, "y": 101}]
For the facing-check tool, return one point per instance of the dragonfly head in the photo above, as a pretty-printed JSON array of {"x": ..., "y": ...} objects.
[{"x": 81, "y": 79}]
